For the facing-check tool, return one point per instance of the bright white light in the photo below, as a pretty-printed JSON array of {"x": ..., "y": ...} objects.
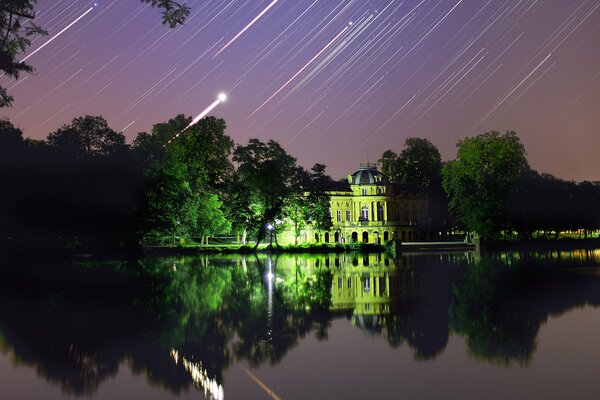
[
  {"x": 222, "y": 97},
  {"x": 270, "y": 276},
  {"x": 269, "y": 227}
]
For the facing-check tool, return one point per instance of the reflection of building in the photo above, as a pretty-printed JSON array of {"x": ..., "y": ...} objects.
[
  {"x": 371, "y": 209},
  {"x": 369, "y": 285}
]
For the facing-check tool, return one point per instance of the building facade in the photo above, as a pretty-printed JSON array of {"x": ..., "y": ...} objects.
[{"x": 369, "y": 208}]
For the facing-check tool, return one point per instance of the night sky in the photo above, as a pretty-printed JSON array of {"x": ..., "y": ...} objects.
[{"x": 336, "y": 82}]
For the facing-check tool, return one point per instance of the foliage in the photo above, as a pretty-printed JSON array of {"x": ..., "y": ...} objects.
[
  {"x": 16, "y": 32},
  {"x": 173, "y": 13},
  {"x": 269, "y": 174},
  {"x": 59, "y": 200},
  {"x": 544, "y": 202},
  {"x": 183, "y": 177},
  {"x": 481, "y": 179},
  {"x": 10, "y": 136},
  {"x": 309, "y": 203},
  {"x": 419, "y": 163},
  {"x": 87, "y": 136}
]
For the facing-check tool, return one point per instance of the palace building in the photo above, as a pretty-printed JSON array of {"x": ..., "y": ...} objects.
[{"x": 369, "y": 208}]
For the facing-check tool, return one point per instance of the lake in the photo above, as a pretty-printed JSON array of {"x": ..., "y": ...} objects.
[{"x": 510, "y": 325}]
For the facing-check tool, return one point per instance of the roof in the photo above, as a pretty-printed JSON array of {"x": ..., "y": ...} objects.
[{"x": 367, "y": 174}]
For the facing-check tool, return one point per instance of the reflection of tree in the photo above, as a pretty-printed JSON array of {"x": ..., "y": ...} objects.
[
  {"x": 500, "y": 304},
  {"x": 75, "y": 326}
]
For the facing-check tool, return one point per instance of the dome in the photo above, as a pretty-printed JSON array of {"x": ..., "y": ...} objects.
[{"x": 367, "y": 174}]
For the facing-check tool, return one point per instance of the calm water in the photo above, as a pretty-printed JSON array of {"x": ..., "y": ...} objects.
[{"x": 453, "y": 325}]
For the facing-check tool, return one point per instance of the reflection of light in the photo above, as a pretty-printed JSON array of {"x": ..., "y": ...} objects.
[
  {"x": 200, "y": 377},
  {"x": 270, "y": 276},
  {"x": 269, "y": 227}
]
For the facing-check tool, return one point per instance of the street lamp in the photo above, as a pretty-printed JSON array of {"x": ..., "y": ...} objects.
[
  {"x": 175, "y": 230},
  {"x": 270, "y": 229}
]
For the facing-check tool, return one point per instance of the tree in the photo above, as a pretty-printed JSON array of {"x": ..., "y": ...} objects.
[
  {"x": 309, "y": 203},
  {"x": 87, "y": 136},
  {"x": 481, "y": 179},
  {"x": 15, "y": 37},
  {"x": 419, "y": 163},
  {"x": 268, "y": 171},
  {"x": 10, "y": 136},
  {"x": 184, "y": 177},
  {"x": 17, "y": 30},
  {"x": 173, "y": 13},
  {"x": 388, "y": 162}
]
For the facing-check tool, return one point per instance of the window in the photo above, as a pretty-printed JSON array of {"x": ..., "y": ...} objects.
[
  {"x": 367, "y": 284},
  {"x": 364, "y": 192},
  {"x": 364, "y": 213},
  {"x": 367, "y": 306},
  {"x": 340, "y": 282},
  {"x": 348, "y": 215},
  {"x": 339, "y": 215},
  {"x": 379, "y": 212},
  {"x": 349, "y": 283}
]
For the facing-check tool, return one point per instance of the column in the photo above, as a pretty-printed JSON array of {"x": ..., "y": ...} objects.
[{"x": 385, "y": 212}]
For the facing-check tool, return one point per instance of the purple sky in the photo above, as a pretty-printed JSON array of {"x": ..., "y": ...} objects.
[{"x": 438, "y": 69}]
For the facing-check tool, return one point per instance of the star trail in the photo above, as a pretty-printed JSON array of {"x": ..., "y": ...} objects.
[{"x": 355, "y": 77}]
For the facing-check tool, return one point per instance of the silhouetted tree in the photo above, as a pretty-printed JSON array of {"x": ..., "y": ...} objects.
[
  {"x": 420, "y": 164},
  {"x": 87, "y": 136}
]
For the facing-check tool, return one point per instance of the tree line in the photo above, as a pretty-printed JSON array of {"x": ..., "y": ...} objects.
[
  {"x": 83, "y": 189},
  {"x": 490, "y": 190}
]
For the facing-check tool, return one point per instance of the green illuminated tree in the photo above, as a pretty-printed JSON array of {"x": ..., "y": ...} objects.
[
  {"x": 184, "y": 177},
  {"x": 269, "y": 173},
  {"x": 481, "y": 179}
]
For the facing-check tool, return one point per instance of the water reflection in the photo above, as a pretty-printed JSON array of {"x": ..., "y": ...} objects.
[{"x": 184, "y": 321}]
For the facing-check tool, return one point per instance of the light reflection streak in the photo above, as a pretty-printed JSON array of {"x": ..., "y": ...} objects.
[{"x": 200, "y": 377}]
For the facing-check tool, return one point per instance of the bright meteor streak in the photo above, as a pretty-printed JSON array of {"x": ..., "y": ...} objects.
[
  {"x": 59, "y": 33},
  {"x": 301, "y": 69},
  {"x": 246, "y": 28},
  {"x": 220, "y": 99}
]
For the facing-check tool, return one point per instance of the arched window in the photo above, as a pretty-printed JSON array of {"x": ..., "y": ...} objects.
[
  {"x": 336, "y": 237},
  {"x": 366, "y": 284},
  {"x": 386, "y": 236},
  {"x": 379, "y": 212},
  {"x": 317, "y": 237},
  {"x": 326, "y": 237},
  {"x": 364, "y": 213},
  {"x": 354, "y": 237},
  {"x": 365, "y": 237}
]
